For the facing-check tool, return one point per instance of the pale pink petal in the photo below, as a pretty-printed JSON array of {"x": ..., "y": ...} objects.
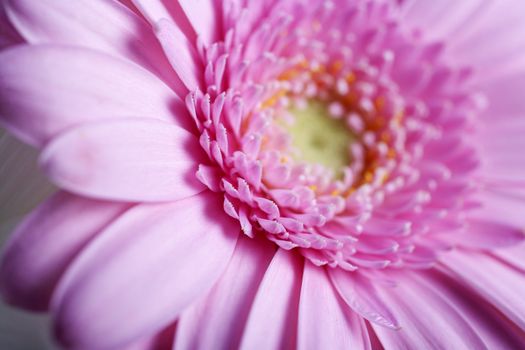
[
  {"x": 500, "y": 285},
  {"x": 272, "y": 323},
  {"x": 46, "y": 242},
  {"x": 325, "y": 321},
  {"x": 419, "y": 13},
  {"x": 220, "y": 317},
  {"x": 142, "y": 271},
  {"x": 489, "y": 40},
  {"x": 484, "y": 34},
  {"x": 181, "y": 54},
  {"x": 154, "y": 11},
  {"x": 513, "y": 256},
  {"x": 362, "y": 297},
  {"x": 47, "y": 89},
  {"x": 502, "y": 205},
  {"x": 97, "y": 24},
  {"x": 495, "y": 331},
  {"x": 427, "y": 320},
  {"x": 204, "y": 18},
  {"x": 485, "y": 234},
  {"x": 504, "y": 100},
  {"x": 500, "y": 136},
  {"x": 134, "y": 159}
]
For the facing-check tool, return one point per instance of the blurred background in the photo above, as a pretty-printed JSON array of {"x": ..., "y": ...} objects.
[{"x": 21, "y": 189}]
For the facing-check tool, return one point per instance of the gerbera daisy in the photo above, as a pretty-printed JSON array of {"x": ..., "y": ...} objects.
[{"x": 270, "y": 174}]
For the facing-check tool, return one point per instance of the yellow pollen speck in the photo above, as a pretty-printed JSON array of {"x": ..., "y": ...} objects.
[
  {"x": 368, "y": 177},
  {"x": 337, "y": 66},
  {"x": 335, "y": 193},
  {"x": 273, "y": 100},
  {"x": 349, "y": 192},
  {"x": 313, "y": 187},
  {"x": 385, "y": 136},
  {"x": 303, "y": 64},
  {"x": 380, "y": 103},
  {"x": 391, "y": 154},
  {"x": 288, "y": 75},
  {"x": 351, "y": 78}
]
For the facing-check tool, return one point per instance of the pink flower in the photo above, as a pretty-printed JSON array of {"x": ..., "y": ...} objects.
[{"x": 279, "y": 174}]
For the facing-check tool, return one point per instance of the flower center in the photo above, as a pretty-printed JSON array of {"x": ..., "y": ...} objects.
[
  {"x": 319, "y": 137},
  {"x": 349, "y": 144}
]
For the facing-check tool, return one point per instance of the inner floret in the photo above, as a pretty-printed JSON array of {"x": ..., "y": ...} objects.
[
  {"x": 319, "y": 136},
  {"x": 335, "y": 142}
]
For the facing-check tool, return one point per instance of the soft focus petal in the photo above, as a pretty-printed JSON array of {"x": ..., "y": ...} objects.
[
  {"x": 500, "y": 285},
  {"x": 104, "y": 25},
  {"x": 181, "y": 54},
  {"x": 501, "y": 138},
  {"x": 427, "y": 320},
  {"x": 513, "y": 256},
  {"x": 495, "y": 331},
  {"x": 219, "y": 319},
  {"x": 272, "y": 323},
  {"x": 204, "y": 18},
  {"x": 154, "y": 11},
  {"x": 485, "y": 234},
  {"x": 46, "y": 242},
  {"x": 8, "y": 34},
  {"x": 325, "y": 321},
  {"x": 142, "y": 271},
  {"x": 362, "y": 297},
  {"x": 446, "y": 16},
  {"x": 47, "y": 89},
  {"x": 134, "y": 159}
]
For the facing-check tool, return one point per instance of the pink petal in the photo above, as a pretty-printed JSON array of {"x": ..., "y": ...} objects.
[
  {"x": 361, "y": 296},
  {"x": 427, "y": 320},
  {"x": 496, "y": 282},
  {"x": 204, "y": 17},
  {"x": 154, "y": 11},
  {"x": 143, "y": 271},
  {"x": 494, "y": 330},
  {"x": 8, "y": 34},
  {"x": 181, "y": 54},
  {"x": 161, "y": 340},
  {"x": 500, "y": 137},
  {"x": 46, "y": 242},
  {"x": 513, "y": 256},
  {"x": 325, "y": 321},
  {"x": 504, "y": 102},
  {"x": 490, "y": 38},
  {"x": 485, "y": 234},
  {"x": 129, "y": 159},
  {"x": 220, "y": 317},
  {"x": 80, "y": 85},
  {"x": 102, "y": 25},
  {"x": 420, "y": 13},
  {"x": 273, "y": 317}
]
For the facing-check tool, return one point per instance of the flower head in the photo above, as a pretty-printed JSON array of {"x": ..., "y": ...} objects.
[{"x": 273, "y": 174}]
